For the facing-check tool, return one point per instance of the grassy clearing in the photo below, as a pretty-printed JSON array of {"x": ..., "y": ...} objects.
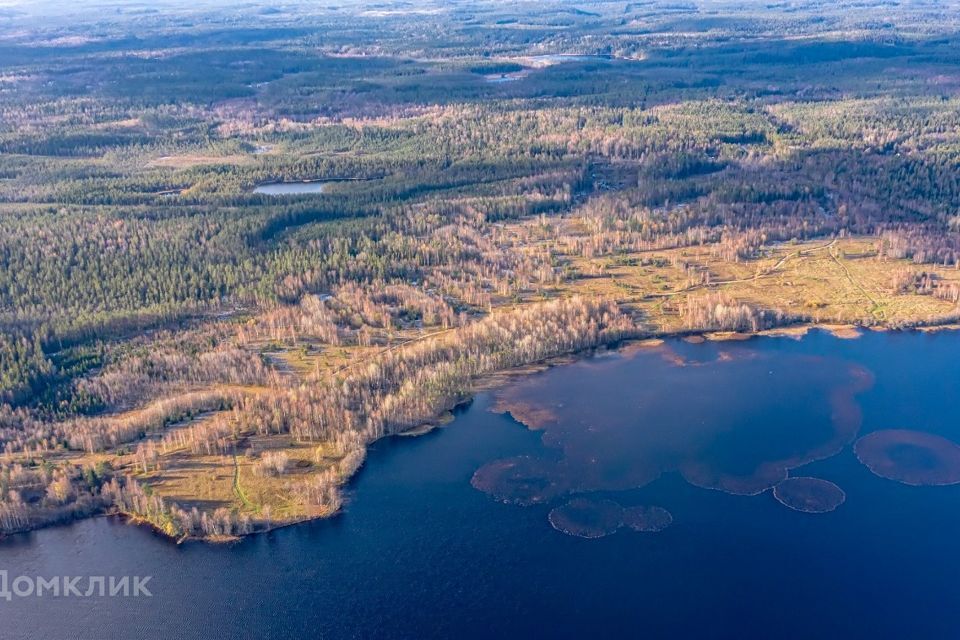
[{"x": 843, "y": 282}]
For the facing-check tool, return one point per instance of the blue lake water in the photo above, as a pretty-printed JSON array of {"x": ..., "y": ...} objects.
[
  {"x": 290, "y": 188},
  {"x": 559, "y": 58},
  {"x": 421, "y": 553},
  {"x": 506, "y": 77}
]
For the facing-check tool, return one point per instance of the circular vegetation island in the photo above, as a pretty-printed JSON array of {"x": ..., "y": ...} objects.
[
  {"x": 647, "y": 519},
  {"x": 809, "y": 495},
  {"x": 585, "y": 518},
  {"x": 522, "y": 480},
  {"x": 911, "y": 457}
]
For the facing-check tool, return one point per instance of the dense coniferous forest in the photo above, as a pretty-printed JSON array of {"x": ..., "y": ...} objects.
[{"x": 502, "y": 184}]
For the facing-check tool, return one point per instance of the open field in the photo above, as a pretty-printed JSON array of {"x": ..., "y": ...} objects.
[{"x": 836, "y": 282}]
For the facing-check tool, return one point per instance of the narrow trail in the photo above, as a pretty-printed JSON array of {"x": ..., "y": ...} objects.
[
  {"x": 236, "y": 482},
  {"x": 856, "y": 283},
  {"x": 797, "y": 254}
]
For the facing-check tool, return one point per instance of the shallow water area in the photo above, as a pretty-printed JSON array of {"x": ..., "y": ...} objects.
[
  {"x": 810, "y": 495},
  {"x": 910, "y": 457},
  {"x": 647, "y": 519},
  {"x": 740, "y": 427},
  {"x": 585, "y": 518}
]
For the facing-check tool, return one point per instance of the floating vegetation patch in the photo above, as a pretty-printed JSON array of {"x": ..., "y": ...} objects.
[
  {"x": 530, "y": 415},
  {"x": 586, "y": 518},
  {"x": 910, "y": 457},
  {"x": 845, "y": 332},
  {"x": 650, "y": 343},
  {"x": 726, "y": 336},
  {"x": 647, "y": 518},
  {"x": 522, "y": 480},
  {"x": 810, "y": 495}
]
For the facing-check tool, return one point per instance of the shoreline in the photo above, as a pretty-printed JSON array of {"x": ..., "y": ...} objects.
[{"x": 497, "y": 379}]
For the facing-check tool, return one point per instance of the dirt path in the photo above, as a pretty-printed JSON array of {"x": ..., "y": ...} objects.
[
  {"x": 236, "y": 483},
  {"x": 876, "y": 311}
]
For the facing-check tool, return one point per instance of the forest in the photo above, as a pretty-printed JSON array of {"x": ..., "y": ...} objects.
[{"x": 503, "y": 185}]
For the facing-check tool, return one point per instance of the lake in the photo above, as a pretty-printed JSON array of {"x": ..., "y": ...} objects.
[
  {"x": 290, "y": 188},
  {"x": 542, "y": 61},
  {"x": 560, "y": 58},
  {"x": 506, "y": 77},
  {"x": 699, "y": 430}
]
